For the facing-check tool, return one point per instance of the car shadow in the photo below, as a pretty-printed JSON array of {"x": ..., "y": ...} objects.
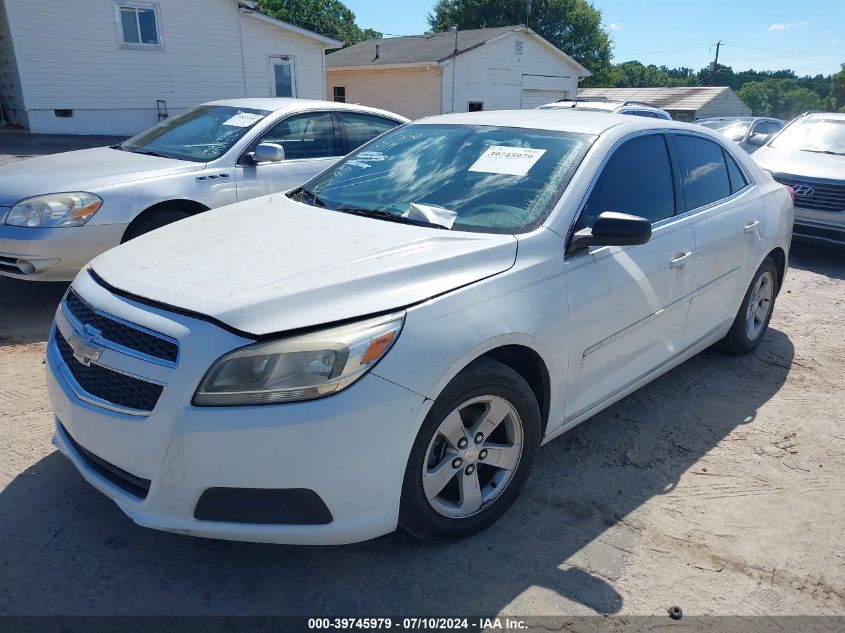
[
  {"x": 68, "y": 549},
  {"x": 27, "y": 309},
  {"x": 828, "y": 260}
]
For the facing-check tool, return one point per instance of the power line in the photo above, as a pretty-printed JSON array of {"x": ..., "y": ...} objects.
[{"x": 781, "y": 50}]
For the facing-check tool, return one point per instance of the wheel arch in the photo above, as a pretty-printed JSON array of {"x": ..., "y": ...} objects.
[
  {"x": 531, "y": 366},
  {"x": 779, "y": 256},
  {"x": 185, "y": 205}
]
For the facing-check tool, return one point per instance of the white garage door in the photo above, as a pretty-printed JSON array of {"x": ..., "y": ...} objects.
[
  {"x": 540, "y": 89},
  {"x": 534, "y": 98}
]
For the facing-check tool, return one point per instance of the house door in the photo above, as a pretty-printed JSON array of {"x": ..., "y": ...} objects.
[{"x": 282, "y": 76}]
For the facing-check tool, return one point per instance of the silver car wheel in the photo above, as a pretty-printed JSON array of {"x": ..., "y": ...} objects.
[
  {"x": 759, "y": 306},
  {"x": 473, "y": 456}
]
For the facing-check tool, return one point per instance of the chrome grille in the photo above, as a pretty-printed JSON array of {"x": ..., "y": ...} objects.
[
  {"x": 123, "y": 334},
  {"x": 818, "y": 195},
  {"x": 107, "y": 384}
]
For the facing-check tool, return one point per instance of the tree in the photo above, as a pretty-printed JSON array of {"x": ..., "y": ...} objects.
[
  {"x": 782, "y": 98},
  {"x": 837, "y": 89},
  {"x": 326, "y": 17},
  {"x": 573, "y": 26}
]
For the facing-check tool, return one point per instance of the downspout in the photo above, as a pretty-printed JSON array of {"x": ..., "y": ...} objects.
[{"x": 243, "y": 56}]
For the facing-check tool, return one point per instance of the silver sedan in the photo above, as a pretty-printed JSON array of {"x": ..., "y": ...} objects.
[{"x": 58, "y": 212}]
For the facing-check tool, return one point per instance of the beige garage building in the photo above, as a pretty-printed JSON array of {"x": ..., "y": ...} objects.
[
  {"x": 507, "y": 67},
  {"x": 683, "y": 103}
]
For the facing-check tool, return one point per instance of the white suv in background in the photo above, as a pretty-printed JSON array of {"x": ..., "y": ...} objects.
[{"x": 635, "y": 108}]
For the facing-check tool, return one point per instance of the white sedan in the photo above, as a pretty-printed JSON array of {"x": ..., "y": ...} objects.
[
  {"x": 57, "y": 212},
  {"x": 390, "y": 343}
]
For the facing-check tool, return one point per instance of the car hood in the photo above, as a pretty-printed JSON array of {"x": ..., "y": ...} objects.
[
  {"x": 797, "y": 163},
  {"x": 270, "y": 264},
  {"x": 82, "y": 170}
]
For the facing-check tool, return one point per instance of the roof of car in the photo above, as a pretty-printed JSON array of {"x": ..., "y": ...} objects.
[
  {"x": 736, "y": 118},
  {"x": 827, "y": 115},
  {"x": 274, "y": 104},
  {"x": 564, "y": 120}
]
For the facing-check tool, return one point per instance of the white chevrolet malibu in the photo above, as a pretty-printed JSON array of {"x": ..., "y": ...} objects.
[
  {"x": 58, "y": 212},
  {"x": 390, "y": 343}
]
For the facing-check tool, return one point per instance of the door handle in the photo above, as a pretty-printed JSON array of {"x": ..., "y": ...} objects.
[
  {"x": 752, "y": 226},
  {"x": 680, "y": 259}
]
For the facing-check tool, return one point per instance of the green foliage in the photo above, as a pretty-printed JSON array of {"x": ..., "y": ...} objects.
[
  {"x": 779, "y": 93},
  {"x": 574, "y": 26},
  {"x": 326, "y": 17}
]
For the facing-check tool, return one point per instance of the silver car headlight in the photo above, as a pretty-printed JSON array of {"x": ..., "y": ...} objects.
[
  {"x": 55, "y": 209},
  {"x": 301, "y": 367}
]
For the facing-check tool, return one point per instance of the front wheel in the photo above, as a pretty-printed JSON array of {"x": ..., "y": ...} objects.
[
  {"x": 473, "y": 454},
  {"x": 754, "y": 314}
]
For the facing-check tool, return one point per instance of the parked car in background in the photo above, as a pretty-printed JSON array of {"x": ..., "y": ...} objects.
[
  {"x": 750, "y": 133},
  {"x": 809, "y": 156},
  {"x": 392, "y": 341},
  {"x": 599, "y": 104},
  {"x": 59, "y": 211}
]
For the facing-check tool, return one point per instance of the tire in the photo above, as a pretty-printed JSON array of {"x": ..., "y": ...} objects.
[
  {"x": 152, "y": 220},
  {"x": 742, "y": 338},
  {"x": 454, "y": 513}
]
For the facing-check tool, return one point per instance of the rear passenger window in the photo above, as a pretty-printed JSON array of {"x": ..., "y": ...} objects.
[
  {"x": 703, "y": 171},
  {"x": 637, "y": 180},
  {"x": 736, "y": 177}
]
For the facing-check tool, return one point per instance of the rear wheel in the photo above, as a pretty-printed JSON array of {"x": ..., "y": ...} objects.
[
  {"x": 152, "y": 220},
  {"x": 473, "y": 454},
  {"x": 754, "y": 314}
]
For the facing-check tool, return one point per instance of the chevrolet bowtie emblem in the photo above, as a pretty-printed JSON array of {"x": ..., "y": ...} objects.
[{"x": 83, "y": 350}]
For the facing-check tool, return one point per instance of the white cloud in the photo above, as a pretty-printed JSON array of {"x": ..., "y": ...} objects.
[
  {"x": 788, "y": 26},
  {"x": 615, "y": 26}
]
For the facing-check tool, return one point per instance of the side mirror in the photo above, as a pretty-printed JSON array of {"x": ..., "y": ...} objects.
[
  {"x": 612, "y": 229},
  {"x": 268, "y": 153},
  {"x": 758, "y": 139}
]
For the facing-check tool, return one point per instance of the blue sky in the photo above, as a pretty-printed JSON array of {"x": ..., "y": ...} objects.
[{"x": 808, "y": 37}]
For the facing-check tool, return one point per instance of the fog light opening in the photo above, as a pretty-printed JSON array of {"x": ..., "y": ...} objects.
[{"x": 26, "y": 267}]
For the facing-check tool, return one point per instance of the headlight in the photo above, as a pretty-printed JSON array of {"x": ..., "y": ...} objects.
[
  {"x": 55, "y": 209},
  {"x": 298, "y": 368}
]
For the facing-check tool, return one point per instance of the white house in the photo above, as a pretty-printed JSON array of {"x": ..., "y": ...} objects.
[
  {"x": 119, "y": 66},
  {"x": 481, "y": 69}
]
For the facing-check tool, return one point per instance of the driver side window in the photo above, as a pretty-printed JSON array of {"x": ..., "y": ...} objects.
[
  {"x": 308, "y": 135},
  {"x": 636, "y": 180}
]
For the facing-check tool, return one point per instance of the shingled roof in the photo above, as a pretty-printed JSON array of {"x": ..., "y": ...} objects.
[
  {"x": 431, "y": 48},
  {"x": 679, "y": 98}
]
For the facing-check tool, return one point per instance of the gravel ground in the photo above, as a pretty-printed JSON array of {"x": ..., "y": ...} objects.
[{"x": 720, "y": 487}]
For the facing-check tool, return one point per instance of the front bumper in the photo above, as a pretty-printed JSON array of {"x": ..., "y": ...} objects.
[
  {"x": 819, "y": 227},
  {"x": 349, "y": 449},
  {"x": 53, "y": 254}
]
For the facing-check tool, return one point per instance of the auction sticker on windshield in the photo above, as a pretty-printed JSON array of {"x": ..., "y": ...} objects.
[
  {"x": 513, "y": 161},
  {"x": 243, "y": 119}
]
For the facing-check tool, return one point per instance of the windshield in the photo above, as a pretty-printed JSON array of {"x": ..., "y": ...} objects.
[
  {"x": 201, "y": 134},
  {"x": 813, "y": 135},
  {"x": 734, "y": 130},
  {"x": 466, "y": 177}
]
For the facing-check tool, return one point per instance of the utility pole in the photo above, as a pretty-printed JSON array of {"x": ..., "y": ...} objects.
[
  {"x": 527, "y": 11},
  {"x": 715, "y": 65}
]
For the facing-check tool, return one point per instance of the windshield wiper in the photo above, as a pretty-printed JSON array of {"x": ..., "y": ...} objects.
[
  {"x": 388, "y": 216},
  {"x": 147, "y": 152},
  {"x": 823, "y": 151},
  {"x": 315, "y": 199}
]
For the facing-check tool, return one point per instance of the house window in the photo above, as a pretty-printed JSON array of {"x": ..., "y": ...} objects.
[
  {"x": 475, "y": 106},
  {"x": 339, "y": 94},
  {"x": 139, "y": 24},
  {"x": 517, "y": 48},
  {"x": 282, "y": 76}
]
